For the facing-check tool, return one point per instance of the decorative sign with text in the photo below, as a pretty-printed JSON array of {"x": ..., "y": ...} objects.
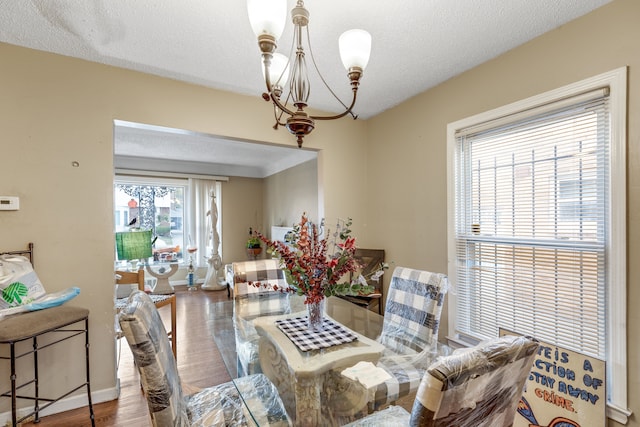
[{"x": 565, "y": 389}]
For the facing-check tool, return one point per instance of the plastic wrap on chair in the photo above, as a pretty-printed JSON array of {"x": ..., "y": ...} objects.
[
  {"x": 406, "y": 373},
  {"x": 267, "y": 272},
  {"x": 248, "y": 357},
  {"x": 221, "y": 405},
  {"x": 247, "y": 401},
  {"x": 392, "y": 416},
  {"x": 261, "y": 397},
  {"x": 247, "y": 308},
  {"x": 142, "y": 326},
  {"x": 412, "y": 311},
  {"x": 477, "y": 387}
]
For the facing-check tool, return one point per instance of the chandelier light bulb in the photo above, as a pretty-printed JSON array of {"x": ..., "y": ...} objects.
[
  {"x": 278, "y": 71},
  {"x": 355, "y": 48},
  {"x": 267, "y": 17}
]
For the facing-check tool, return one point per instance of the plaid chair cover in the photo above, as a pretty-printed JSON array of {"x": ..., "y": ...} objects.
[
  {"x": 247, "y": 338},
  {"x": 410, "y": 327},
  {"x": 412, "y": 312},
  {"x": 265, "y": 271},
  {"x": 251, "y": 301},
  {"x": 476, "y": 388},
  {"x": 168, "y": 407},
  {"x": 406, "y": 374}
]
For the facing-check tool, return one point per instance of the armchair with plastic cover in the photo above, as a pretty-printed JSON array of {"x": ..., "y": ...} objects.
[
  {"x": 409, "y": 330},
  {"x": 476, "y": 387},
  {"x": 168, "y": 404}
]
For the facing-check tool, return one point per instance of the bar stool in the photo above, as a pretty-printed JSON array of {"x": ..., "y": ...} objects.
[{"x": 59, "y": 320}]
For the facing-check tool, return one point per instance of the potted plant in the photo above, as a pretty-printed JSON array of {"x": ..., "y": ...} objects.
[{"x": 254, "y": 247}]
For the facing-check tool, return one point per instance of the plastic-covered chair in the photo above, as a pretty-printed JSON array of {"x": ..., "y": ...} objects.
[
  {"x": 476, "y": 387},
  {"x": 251, "y": 301},
  {"x": 409, "y": 330},
  {"x": 412, "y": 310},
  {"x": 168, "y": 405},
  {"x": 265, "y": 271}
]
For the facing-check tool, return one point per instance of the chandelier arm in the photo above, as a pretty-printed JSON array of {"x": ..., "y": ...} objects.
[
  {"x": 315, "y": 65},
  {"x": 266, "y": 60},
  {"x": 344, "y": 113},
  {"x": 277, "y": 114}
]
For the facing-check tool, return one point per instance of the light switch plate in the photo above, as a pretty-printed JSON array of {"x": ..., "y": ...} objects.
[{"x": 9, "y": 203}]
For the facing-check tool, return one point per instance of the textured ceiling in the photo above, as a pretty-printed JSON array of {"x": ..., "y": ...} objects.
[{"x": 417, "y": 44}]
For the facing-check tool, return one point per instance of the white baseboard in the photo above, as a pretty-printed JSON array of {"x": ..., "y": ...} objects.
[{"x": 67, "y": 404}]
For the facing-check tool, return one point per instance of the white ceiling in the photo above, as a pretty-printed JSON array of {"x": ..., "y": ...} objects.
[
  {"x": 417, "y": 44},
  {"x": 191, "y": 152}
]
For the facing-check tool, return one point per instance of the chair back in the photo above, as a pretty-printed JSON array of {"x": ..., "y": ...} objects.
[
  {"x": 479, "y": 387},
  {"x": 412, "y": 310},
  {"x": 265, "y": 271},
  {"x": 130, "y": 278},
  {"x": 142, "y": 326}
]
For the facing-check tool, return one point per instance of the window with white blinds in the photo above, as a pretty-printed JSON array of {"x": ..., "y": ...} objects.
[
  {"x": 530, "y": 226},
  {"x": 531, "y": 232}
]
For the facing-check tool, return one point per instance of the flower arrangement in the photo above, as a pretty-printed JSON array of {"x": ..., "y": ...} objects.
[{"x": 315, "y": 266}]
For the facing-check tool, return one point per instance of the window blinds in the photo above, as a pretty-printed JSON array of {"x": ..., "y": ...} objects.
[{"x": 531, "y": 224}]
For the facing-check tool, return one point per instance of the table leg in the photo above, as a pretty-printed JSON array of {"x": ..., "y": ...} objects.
[
  {"x": 275, "y": 367},
  {"x": 307, "y": 395}
]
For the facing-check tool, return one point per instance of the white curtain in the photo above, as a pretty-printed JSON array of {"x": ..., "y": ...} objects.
[{"x": 199, "y": 203}]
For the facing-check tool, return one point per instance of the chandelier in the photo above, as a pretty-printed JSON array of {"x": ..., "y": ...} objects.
[{"x": 267, "y": 19}]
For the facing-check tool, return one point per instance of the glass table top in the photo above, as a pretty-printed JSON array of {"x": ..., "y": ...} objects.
[{"x": 309, "y": 383}]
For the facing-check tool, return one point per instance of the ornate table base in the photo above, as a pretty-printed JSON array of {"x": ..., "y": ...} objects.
[
  {"x": 310, "y": 384},
  {"x": 163, "y": 286}
]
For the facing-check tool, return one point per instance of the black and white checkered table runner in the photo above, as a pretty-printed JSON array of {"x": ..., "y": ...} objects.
[{"x": 330, "y": 335}]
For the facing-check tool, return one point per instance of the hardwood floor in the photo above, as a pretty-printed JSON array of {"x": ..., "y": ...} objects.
[{"x": 200, "y": 363}]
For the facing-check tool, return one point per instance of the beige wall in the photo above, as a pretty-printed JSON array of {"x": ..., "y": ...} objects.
[
  {"x": 242, "y": 207},
  {"x": 289, "y": 194},
  {"x": 56, "y": 110},
  {"x": 410, "y": 159}
]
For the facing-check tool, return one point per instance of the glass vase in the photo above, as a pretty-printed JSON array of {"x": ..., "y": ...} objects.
[{"x": 315, "y": 319}]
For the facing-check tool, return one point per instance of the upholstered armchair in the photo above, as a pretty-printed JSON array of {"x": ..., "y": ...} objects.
[{"x": 168, "y": 404}]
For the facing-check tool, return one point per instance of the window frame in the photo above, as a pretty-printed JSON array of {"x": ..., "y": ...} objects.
[
  {"x": 159, "y": 181},
  {"x": 616, "y": 267}
]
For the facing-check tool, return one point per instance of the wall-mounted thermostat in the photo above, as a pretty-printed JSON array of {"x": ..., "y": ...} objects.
[{"x": 9, "y": 203}]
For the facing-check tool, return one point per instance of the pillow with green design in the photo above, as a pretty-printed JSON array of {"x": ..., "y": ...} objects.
[{"x": 19, "y": 283}]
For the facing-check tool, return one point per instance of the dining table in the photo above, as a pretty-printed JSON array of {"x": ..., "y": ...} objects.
[{"x": 307, "y": 372}]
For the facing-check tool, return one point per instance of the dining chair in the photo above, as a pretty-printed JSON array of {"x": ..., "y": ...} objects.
[
  {"x": 412, "y": 310},
  {"x": 160, "y": 300},
  {"x": 169, "y": 404},
  {"x": 476, "y": 387},
  {"x": 409, "y": 330},
  {"x": 251, "y": 301}
]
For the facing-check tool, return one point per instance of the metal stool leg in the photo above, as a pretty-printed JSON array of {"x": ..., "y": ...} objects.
[
  {"x": 86, "y": 328},
  {"x": 36, "y": 405},
  {"x": 14, "y": 403}
]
